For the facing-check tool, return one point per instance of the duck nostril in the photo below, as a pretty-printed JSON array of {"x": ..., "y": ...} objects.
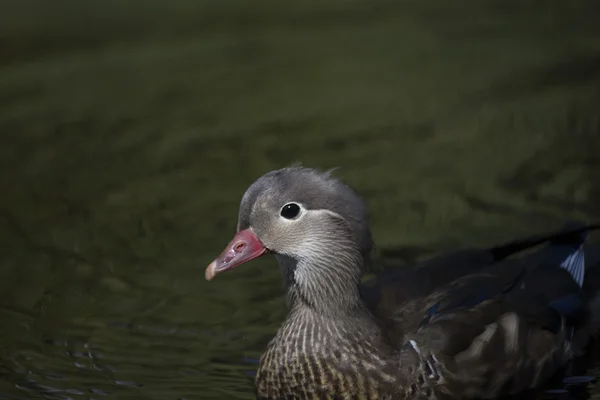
[{"x": 239, "y": 247}]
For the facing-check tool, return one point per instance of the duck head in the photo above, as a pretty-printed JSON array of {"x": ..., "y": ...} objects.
[{"x": 314, "y": 224}]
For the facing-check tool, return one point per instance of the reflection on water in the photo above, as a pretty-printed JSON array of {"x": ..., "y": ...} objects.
[{"x": 129, "y": 132}]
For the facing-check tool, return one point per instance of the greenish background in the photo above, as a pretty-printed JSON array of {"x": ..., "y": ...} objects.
[{"x": 130, "y": 129}]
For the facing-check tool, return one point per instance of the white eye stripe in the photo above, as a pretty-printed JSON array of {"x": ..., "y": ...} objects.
[
  {"x": 305, "y": 211},
  {"x": 326, "y": 211}
]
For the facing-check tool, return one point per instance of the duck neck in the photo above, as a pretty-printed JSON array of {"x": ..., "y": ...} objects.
[
  {"x": 328, "y": 326},
  {"x": 328, "y": 285}
]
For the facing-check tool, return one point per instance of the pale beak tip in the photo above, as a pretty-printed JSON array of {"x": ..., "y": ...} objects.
[{"x": 211, "y": 271}]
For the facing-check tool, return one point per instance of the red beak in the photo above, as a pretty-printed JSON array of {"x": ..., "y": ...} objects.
[{"x": 244, "y": 247}]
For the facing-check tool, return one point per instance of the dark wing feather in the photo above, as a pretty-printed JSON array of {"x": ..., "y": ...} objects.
[
  {"x": 489, "y": 350},
  {"x": 477, "y": 323},
  {"x": 502, "y": 330},
  {"x": 472, "y": 290},
  {"x": 412, "y": 290}
]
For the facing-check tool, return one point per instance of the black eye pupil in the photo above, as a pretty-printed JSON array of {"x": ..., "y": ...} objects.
[{"x": 290, "y": 211}]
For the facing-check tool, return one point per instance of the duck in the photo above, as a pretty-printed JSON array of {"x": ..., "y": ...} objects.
[{"x": 474, "y": 323}]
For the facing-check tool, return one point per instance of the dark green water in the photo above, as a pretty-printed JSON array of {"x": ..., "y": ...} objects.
[{"x": 130, "y": 130}]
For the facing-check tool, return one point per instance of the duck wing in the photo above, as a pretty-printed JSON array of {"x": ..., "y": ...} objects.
[
  {"x": 502, "y": 330},
  {"x": 406, "y": 293}
]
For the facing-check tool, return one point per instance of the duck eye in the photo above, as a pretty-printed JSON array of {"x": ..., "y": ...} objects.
[{"x": 290, "y": 211}]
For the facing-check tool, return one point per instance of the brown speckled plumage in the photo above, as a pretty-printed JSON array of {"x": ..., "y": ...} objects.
[
  {"x": 469, "y": 324},
  {"x": 330, "y": 355}
]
